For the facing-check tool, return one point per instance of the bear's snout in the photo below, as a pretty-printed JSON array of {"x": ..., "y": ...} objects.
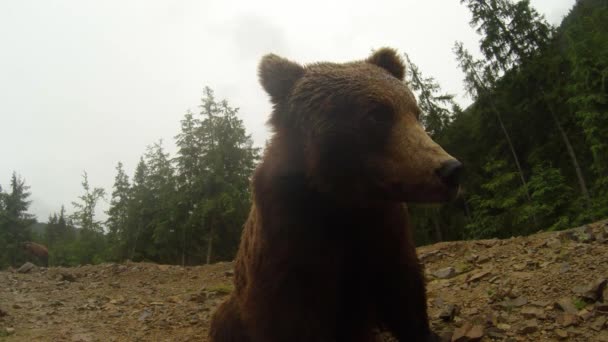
[{"x": 450, "y": 172}]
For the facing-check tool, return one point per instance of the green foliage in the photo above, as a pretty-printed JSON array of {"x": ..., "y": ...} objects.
[{"x": 14, "y": 222}]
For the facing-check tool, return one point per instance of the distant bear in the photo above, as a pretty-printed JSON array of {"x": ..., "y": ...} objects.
[
  {"x": 326, "y": 253},
  {"x": 38, "y": 251}
]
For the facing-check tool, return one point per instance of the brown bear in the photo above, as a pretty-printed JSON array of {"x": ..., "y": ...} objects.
[
  {"x": 37, "y": 251},
  {"x": 326, "y": 253}
]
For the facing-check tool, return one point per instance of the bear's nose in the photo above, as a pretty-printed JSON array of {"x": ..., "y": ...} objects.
[{"x": 450, "y": 172}]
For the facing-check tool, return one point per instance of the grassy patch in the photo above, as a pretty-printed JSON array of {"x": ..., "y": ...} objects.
[{"x": 222, "y": 288}]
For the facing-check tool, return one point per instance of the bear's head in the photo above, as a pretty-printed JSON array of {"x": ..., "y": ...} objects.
[{"x": 356, "y": 127}]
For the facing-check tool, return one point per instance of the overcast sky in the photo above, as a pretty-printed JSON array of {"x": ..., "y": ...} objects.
[{"x": 85, "y": 84}]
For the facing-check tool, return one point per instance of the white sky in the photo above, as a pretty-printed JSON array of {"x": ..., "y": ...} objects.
[{"x": 85, "y": 84}]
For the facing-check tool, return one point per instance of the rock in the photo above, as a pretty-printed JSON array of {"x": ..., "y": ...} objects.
[
  {"x": 599, "y": 323},
  {"x": 565, "y": 304},
  {"x": 584, "y": 314},
  {"x": 475, "y": 334},
  {"x": 602, "y": 337},
  {"x": 564, "y": 267},
  {"x": 445, "y": 273},
  {"x": 514, "y": 303},
  {"x": 528, "y": 327},
  {"x": 532, "y": 312},
  {"x": 495, "y": 333},
  {"x": 64, "y": 276},
  {"x": 601, "y": 307},
  {"x": 3, "y": 313},
  {"x": 10, "y": 331},
  {"x": 26, "y": 268},
  {"x": 567, "y": 319},
  {"x": 459, "y": 333},
  {"x": 146, "y": 314},
  {"x": 448, "y": 312},
  {"x": 553, "y": 243},
  {"x": 477, "y": 276},
  {"x": 229, "y": 273},
  {"x": 561, "y": 334},
  {"x": 428, "y": 256},
  {"x": 582, "y": 234},
  {"x": 503, "y": 326},
  {"x": 591, "y": 292},
  {"x": 483, "y": 259}
]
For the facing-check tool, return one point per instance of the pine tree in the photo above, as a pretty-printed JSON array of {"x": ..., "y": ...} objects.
[
  {"x": 118, "y": 214},
  {"x": 91, "y": 239},
  {"x": 138, "y": 237},
  {"x": 161, "y": 183},
  {"x": 14, "y": 221},
  {"x": 227, "y": 159}
]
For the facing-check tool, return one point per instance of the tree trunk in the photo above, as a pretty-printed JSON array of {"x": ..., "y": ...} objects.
[
  {"x": 508, "y": 138},
  {"x": 438, "y": 234},
  {"x": 184, "y": 246},
  {"x": 210, "y": 244},
  {"x": 579, "y": 173}
]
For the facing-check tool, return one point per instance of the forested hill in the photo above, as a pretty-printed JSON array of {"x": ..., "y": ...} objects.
[
  {"x": 534, "y": 144},
  {"x": 535, "y": 141}
]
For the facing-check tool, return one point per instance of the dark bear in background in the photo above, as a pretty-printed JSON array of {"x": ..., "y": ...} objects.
[
  {"x": 37, "y": 251},
  {"x": 326, "y": 253}
]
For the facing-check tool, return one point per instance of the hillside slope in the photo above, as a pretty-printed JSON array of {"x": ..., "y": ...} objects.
[{"x": 544, "y": 287}]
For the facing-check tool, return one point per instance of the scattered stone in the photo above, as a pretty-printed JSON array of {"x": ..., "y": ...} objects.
[
  {"x": 448, "y": 312},
  {"x": 26, "y": 268},
  {"x": 146, "y": 314},
  {"x": 477, "y": 276},
  {"x": 503, "y": 326},
  {"x": 564, "y": 267},
  {"x": 445, "y": 273},
  {"x": 601, "y": 307},
  {"x": 429, "y": 255},
  {"x": 603, "y": 336},
  {"x": 528, "y": 327},
  {"x": 540, "y": 303},
  {"x": 10, "y": 331},
  {"x": 532, "y": 312},
  {"x": 475, "y": 334},
  {"x": 229, "y": 273},
  {"x": 64, "y": 276},
  {"x": 565, "y": 304},
  {"x": 200, "y": 297},
  {"x": 514, "y": 303},
  {"x": 483, "y": 259},
  {"x": 553, "y": 243},
  {"x": 567, "y": 319},
  {"x": 487, "y": 243},
  {"x": 561, "y": 334},
  {"x": 3, "y": 313},
  {"x": 591, "y": 292},
  {"x": 598, "y": 323},
  {"x": 584, "y": 314},
  {"x": 468, "y": 332},
  {"x": 495, "y": 333}
]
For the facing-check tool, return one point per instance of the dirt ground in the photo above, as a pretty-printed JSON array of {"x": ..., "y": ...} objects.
[{"x": 545, "y": 287}]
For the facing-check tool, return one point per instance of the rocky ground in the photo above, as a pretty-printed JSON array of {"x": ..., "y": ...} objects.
[{"x": 545, "y": 287}]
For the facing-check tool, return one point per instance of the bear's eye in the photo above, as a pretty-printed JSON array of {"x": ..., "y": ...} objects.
[{"x": 380, "y": 114}]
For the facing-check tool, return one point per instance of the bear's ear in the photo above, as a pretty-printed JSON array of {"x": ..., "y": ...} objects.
[
  {"x": 278, "y": 76},
  {"x": 388, "y": 59}
]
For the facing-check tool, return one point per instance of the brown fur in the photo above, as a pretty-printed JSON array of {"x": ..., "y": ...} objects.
[
  {"x": 326, "y": 253},
  {"x": 37, "y": 250}
]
